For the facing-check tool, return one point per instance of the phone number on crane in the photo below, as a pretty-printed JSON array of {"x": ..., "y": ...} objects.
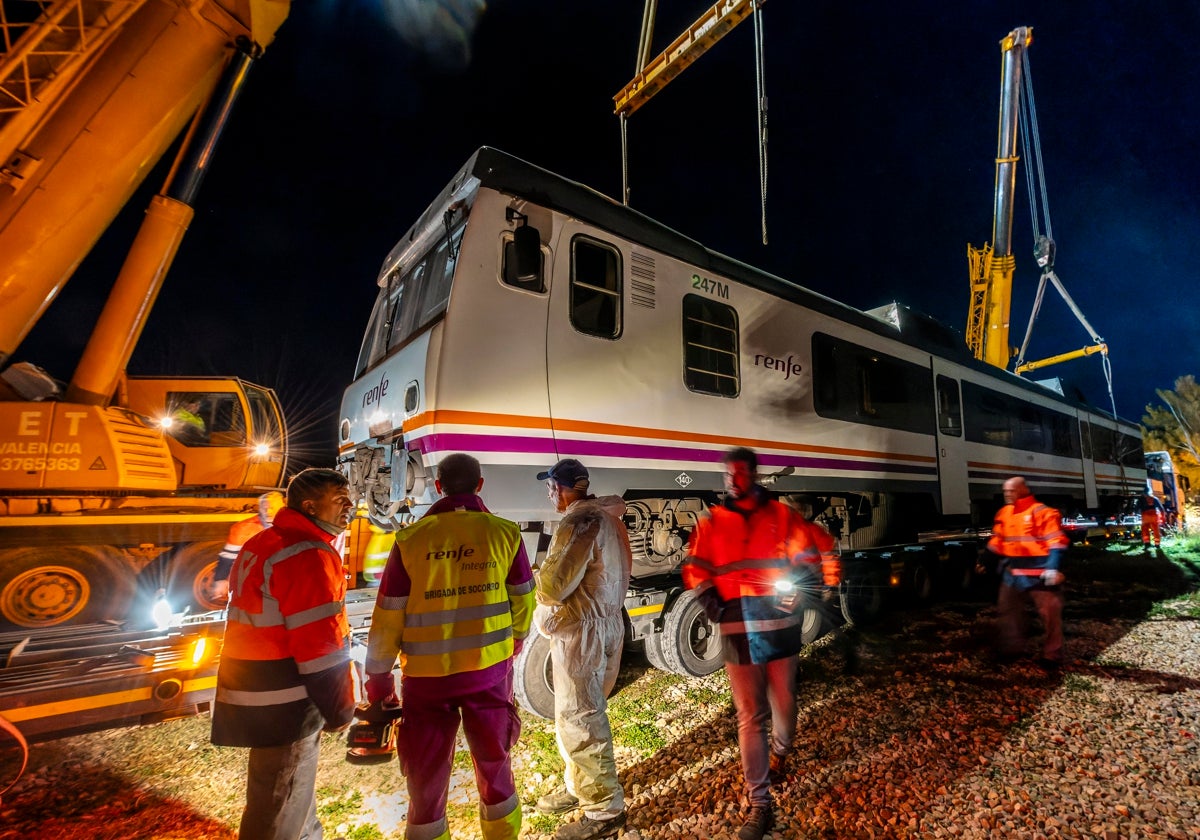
[{"x": 39, "y": 464}]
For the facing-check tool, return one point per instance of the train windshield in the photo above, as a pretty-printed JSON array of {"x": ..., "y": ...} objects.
[{"x": 413, "y": 298}]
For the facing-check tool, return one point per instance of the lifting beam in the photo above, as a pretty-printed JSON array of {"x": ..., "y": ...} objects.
[{"x": 696, "y": 40}]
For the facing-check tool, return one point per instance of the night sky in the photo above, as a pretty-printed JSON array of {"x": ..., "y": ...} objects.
[{"x": 882, "y": 140}]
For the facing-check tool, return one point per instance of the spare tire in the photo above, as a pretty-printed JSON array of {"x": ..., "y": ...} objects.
[{"x": 533, "y": 677}]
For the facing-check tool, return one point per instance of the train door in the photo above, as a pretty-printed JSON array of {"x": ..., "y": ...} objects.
[
  {"x": 951, "y": 443},
  {"x": 598, "y": 382},
  {"x": 1091, "y": 499}
]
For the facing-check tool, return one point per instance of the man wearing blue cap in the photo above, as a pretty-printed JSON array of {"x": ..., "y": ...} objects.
[{"x": 581, "y": 588}]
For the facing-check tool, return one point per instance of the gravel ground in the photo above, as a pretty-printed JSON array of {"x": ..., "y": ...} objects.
[{"x": 906, "y": 730}]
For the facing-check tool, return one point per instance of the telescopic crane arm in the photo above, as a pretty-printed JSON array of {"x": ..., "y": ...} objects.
[
  {"x": 92, "y": 93},
  {"x": 992, "y": 265}
]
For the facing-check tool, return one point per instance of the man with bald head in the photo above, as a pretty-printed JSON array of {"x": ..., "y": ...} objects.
[{"x": 1028, "y": 538}]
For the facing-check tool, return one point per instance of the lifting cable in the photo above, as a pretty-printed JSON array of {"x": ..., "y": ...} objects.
[
  {"x": 760, "y": 86},
  {"x": 643, "y": 55},
  {"x": 1043, "y": 246},
  {"x": 649, "y": 12}
]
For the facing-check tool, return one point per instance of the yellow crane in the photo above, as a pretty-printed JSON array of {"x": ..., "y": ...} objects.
[
  {"x": 102, "y": 493},
  {"x": 992, "y": 265}
]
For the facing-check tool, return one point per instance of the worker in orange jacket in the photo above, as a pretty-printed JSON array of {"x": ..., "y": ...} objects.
[
  {"x": 749, "y": 558},
  {"x": 285, "y": 674},
  {"x": 1028, "y": 538},
  {"x": 1153, "y": 514}
]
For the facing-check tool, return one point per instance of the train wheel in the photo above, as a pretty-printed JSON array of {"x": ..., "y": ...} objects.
[
  {"x": 862, "y": 595},
  {"x": 44, "y": 587},
  {"x": 190, "y": 575},
  {"x": 691, "y": 644},
  {"x": 533, "y": 677}
]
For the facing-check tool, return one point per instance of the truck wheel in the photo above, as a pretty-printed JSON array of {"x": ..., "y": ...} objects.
[
  {"x": 862, "y": 594},
  {"x": 920, "y": 582},
  {"x": 815, "y": 623},
  {"x": 533, "y": 677},
  {"x": 691, "y": 644},
  {"x": 654, "y": 651},
  {"x": 45, "y": 587},
  {"x": 190, "y": 577}
]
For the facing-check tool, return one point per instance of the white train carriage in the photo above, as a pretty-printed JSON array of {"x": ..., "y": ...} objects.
[
  {"x": 526, "y": 318},
  {"x": 616, "y": 340}
]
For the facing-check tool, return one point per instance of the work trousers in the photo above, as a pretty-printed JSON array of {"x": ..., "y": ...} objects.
[
  {"x": 1150, "y": 526},
  {"x": 425, "y": 741},
  {"x": 1011, "y": 607},
  {"x": 765, "y": 699},
  {"x": 281, "y": 802},
  {"x": 586, "y": 658}
]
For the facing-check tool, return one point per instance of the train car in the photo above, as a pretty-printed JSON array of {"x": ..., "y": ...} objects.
[{"x": 526, "y": 318}]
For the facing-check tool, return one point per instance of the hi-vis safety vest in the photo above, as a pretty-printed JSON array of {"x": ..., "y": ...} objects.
[
  {"x": 1026, "y": 532},
  {"x": 457, "y": 616}
]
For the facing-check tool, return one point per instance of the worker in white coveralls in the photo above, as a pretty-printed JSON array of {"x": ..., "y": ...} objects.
[{"x": 581, "y": 588}]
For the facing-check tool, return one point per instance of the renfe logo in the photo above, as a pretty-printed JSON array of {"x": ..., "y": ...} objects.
[
  {"x": 451, "y": 553},
  {"x": 377, "y": 393},
  {"x": 771, "y": 363}
]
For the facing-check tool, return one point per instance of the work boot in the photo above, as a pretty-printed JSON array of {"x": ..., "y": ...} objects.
[
  {"x": 558, "y": 802},
  {"x": 589, "y": 829},
  {"x": 758, "y": 823}
]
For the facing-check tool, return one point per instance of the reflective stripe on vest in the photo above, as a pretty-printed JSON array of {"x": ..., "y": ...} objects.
[{"x": 235, "y": 697}]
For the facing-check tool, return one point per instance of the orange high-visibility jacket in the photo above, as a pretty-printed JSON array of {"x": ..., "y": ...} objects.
[
  {"x": 285, "y": 669},
  {"x": 741, "y": 556},
  {"x": 1027, "y": 532}
]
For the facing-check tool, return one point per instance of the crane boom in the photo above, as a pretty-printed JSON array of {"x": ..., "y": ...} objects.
[
  {"x": 992, "y": 265},
  {"x": 92, "y": 93}
]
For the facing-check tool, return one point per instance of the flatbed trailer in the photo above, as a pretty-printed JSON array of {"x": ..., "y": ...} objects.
[
  {"x": 83, "y": 678},
  {"x": 70, "y": 680}
]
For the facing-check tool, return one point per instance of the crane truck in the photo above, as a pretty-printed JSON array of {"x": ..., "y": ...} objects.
[{"x": 116, "y": 491}]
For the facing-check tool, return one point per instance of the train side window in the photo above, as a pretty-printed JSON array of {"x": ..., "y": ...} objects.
[
  {"x": 882, "y": 388},
  {"x": 595, "y": 288},
  {"x": 1104, "y": 445},
  {"x": 987, "y": 415},
  {"x": 948, "y": 407},
  {"x": 1063, "y": 437},
  {"x": 1031, "y": 432},
  {"x": 862, "y": 385},
  {"x": 825, "y": 375},
  {"x": 710, "y": 347},
  {"x": 1130, "y": 453},
  {"x": 508, "y": 268}
]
